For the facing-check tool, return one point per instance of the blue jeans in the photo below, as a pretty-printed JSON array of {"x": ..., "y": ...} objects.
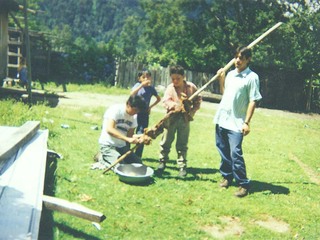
[{"x": 229, "y": 144}]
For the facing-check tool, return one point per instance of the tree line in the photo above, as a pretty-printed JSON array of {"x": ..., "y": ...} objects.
[{"x": 88, "y": 35}]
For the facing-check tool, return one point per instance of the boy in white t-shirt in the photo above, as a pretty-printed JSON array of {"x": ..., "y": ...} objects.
[{"x": 119, "y": 123}]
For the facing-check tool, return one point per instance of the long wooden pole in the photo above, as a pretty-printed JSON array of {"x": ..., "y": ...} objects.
[
  {"x": 71, "y": 208},
  {"x": 226, "y": 67},
  {"x": 200, "y": 89}
]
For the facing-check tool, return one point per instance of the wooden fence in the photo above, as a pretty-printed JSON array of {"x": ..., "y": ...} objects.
[
  {"x": 281, "y": 89},
  {"x": 127, "y": 72}
]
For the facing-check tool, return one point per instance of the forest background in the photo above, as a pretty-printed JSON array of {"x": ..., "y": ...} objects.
[{"x": 88, "y": 37}]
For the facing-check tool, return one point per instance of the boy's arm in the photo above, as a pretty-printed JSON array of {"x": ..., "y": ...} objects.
[
  {"x": 135, "y": 90},
  {"x": 170, "y": 99},
  {"x": 221, "y": 76},
  {"x": 158, "y": 99},
  {"x": 111, "y": 129},
  {"x": 196, "y": 105},
  {"x": 249, "y": 114}
]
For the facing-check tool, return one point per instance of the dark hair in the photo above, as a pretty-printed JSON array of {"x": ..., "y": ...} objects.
[
  {"x": 138, "y": 102},
  {"x": 140, "y": 73},
  {"x": 147, "y": 72},
  {"x": 244, "y": 51},
  {"x": 176, "y": 69}
]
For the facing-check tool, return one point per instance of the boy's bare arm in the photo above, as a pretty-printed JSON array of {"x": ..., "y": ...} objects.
[
  {"x": 142, "y": 84},
  {"x": 155, "y": 102},
  {"x": 111, "y": 129}
]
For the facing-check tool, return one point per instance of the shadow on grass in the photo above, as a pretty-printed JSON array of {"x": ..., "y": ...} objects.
[
  {"x": 193, "y": 174},
  {"x": 141, "y": 184},
  {"x": 267, "y": 188},
  {"x": 46, "y": 222},
  {"x": 75, "y": 233}
]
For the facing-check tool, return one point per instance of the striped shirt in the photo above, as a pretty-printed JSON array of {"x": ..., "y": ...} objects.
[{"x": 240, "y": 89}]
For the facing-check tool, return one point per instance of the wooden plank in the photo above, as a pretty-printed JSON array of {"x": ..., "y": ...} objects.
[
  {"x": 211, "y": 97},
  {"x": 10, "y": 144},
  {"x": 21, "y": 189},
  {"x": 3, "y": 44},
  {"x": 71, "y": 208},
  {"x": 10, "y": 65}
]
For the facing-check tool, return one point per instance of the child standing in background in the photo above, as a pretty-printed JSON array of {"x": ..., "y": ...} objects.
[
  {"x": 144, "y": 88},
  {"x": 23, "y": 73}
]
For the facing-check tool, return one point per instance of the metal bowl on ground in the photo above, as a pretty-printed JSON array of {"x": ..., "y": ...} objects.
[{"x": 134, "y": 173}]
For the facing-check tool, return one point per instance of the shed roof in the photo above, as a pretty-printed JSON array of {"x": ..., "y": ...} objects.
[{"x": 8, "y": 5}]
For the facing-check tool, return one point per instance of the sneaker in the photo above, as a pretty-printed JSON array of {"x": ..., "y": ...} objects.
[
  {"x": 242, "y": 192},
  {"x": 225, "y": 183},
  {"x": 161, "y": 166},
  {"x": 182, "y": 172},
  {"x": 98, "y": 165},
  {"x": 97, "y": 157}
]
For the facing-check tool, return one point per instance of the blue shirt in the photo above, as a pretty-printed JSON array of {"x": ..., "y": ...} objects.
[
  {"x": 240, "y": 89},
  {"x": 146, "y": 92}
]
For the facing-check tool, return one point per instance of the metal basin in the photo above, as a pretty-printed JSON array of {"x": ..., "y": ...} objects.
[{"x": 134, "y": 173}]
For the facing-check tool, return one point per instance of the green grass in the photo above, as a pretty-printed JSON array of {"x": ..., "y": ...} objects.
[{"x": 191, "y": 208}]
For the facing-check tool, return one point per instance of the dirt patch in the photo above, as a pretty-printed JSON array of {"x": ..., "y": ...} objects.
[
  {"x": 312, "y": 175},
  {"x": 273, "y": 224},
  {"x": 229, "y": 226},
  {"x": 79, "y": 100}
]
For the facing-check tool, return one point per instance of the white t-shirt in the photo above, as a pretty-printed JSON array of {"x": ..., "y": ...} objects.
[{"x": 124, "y": 122}]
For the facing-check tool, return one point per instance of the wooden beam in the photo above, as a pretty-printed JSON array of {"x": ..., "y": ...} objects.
[
  {"x": 3, "y": 44},
  {"x": 74, "y": 209},
  {"x": 21, "y": 7},
  {"x": 9, "y": 145}
]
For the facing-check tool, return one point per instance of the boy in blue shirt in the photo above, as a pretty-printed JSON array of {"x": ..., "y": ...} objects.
[
  {"x": 144, "y": 88},
  {"x": 240, "y": 89}
]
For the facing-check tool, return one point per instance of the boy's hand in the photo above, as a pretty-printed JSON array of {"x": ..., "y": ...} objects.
[
  {"x": 187, "y": 104},
  {"x": 221, "y": 73},
  {"x": 146, "y": 83}
]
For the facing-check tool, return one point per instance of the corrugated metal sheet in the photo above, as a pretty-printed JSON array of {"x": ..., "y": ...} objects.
[{"x": 21, "y": 188}]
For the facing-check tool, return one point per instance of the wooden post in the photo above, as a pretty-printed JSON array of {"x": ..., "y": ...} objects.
[
  {"x": 3, "y": 45},
  {"x": 309, "y": 95},
  {"x": 28, "y": 52}
]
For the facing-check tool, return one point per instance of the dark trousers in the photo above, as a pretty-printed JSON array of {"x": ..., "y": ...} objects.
[{"x": 143, "y": 122}]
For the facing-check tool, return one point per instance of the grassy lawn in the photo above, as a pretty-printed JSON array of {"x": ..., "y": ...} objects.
[{"x": 281, "y": 153}]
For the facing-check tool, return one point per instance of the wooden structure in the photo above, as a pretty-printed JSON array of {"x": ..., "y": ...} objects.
[
  {"x": 6, "y": 7},
  {"x": 23, "y": 154},
  {"x": 15, "y": 43},
  {"x": 38, "y": 96}
]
